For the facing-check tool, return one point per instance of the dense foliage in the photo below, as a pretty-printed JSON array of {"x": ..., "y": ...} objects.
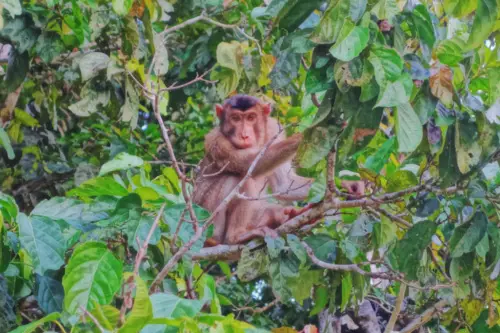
[{"x": 403, "y": 95}]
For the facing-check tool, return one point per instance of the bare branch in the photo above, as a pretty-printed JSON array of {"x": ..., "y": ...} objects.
[
  {"x": 393, "y": 217},
  {"x": 397, "y": 309},
  {"x": 144, "y": 248},
  {"x": 184, "y": 85},
  {"x": 258, "y": 310},
  {"x": 424, "y": 317}
]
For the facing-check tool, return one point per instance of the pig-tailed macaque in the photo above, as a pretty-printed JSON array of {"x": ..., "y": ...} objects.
[{"x": 245, "y": 127}]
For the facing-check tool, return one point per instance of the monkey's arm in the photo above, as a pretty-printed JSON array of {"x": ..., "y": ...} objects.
[
  {"x": 292, "y": 186},
  {"x": 238, "y": 161}
]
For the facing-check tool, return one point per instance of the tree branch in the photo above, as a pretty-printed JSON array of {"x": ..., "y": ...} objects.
[
  {"x": 424, "y": 317},
  {"x": 397, "y": 309}
]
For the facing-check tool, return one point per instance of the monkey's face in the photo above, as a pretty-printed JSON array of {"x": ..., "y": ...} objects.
[{"x": 242, "y": 128}]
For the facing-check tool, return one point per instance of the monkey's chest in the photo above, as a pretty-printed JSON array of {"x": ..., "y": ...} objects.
[{"x": 255, "y": 187}]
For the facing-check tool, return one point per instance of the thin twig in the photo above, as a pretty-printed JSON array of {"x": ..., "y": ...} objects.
[
  {"x": 144, "y": 248},
  {"x": 424, "y": 317},
  {"x": 397, "y": 309},
  {"x": 393, "y": 217},
  {"x": 94, "y": 320},
  {"x": 257, "y": 310}
]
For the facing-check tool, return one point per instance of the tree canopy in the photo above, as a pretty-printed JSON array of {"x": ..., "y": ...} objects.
[{"x": 104, "y": 106}]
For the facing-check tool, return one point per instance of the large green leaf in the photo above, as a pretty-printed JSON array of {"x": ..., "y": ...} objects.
[
  {"x": 424, "y": 25},
  {"x": 408, "y": 251},
  {"x": 22, "y": 32},
  {"x": 138, "y": 230},
  {"x": 323, "y": 246},
  {"x": 91, "y": 101},
  {"x": 295, "y": 12},
  {"x": 252, "y": 264},
  {"x": 484, "y": 22},
  {"x": 170, "y": 306},
  {"x": 386, "y": 10},
  {"x": 122, "y": 161},
  {"x": 331, "y": 22},
  {"x": 142, "y": 310},
  {"x": 17, "y": 68},
  {"x": 449, "y": 51},
  {"x": 401, "y": 180},
  {"x": 91, "y": 63},
  {"x": 48, "y": 46},
  {"x": 351, "y": 42},
  {"x": 467, "y": 236},
  {"x": 408, "y": 128},
  {"x": 122, "y": 7},
  {"x": 99, "y": 186},
  {"x": 50, "y": 294},
  {"x": 387, "y": 64},
  {"x": 230, "y": 55},
  {"x": 280, "y": 270},
  {"x": 459, "y": 8},
  {"x": 43, "y": 240},
  {"x": 32, "y": 327},
  {"x": 396, "y": 93},
  {"x": 93, "y": 274}
]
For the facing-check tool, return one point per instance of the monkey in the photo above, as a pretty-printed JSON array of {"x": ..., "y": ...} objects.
[{"x": 245, "y": 126}]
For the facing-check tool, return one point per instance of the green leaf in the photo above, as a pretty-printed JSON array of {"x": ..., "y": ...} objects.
[
  {"x": 350, "y": 46},
  {"x": 17, "y": 68},
  {"x": 468, "y": 148},
  {"x": 91, "y": 63},
  {"x": 122, "y": 7},
  {"x": 172, "y": 216},
  {"x": 484, "y": 22},
  {"x": 462, "y": 267},
  {"x": 230, "y": 55},
  {"x": 297, "y": 248},
  {"x": 323, "y": 246},
  {"x": 408, "y": 128},
  {"x": 316, "y": 144},
  {"x": 91, "y": 101},
  {"x": 302, "y": 285},
  {"x": 42, "y": 238},
  {"x": 467, "y": 236},
  {"x": 331, "y": 22},
  {"x": 13, "y": 7},
  {"x": 50, "y": 294},
  {"x": 424, "y": 26},
  {"x": 387, "y": 64},
  {"x": 99, "y": 186},
  {"x": 459, "y": 8},
  {"x": 448, "y": 168},
  {"x": 401, "y": 180},
  {"x": 122, "y": 161},
  {"x": 274, "y": 246},
  {"x": 227, "y": 80},
  {"x": 142, "y": 311},
  {"x": 93, "y": 274},
  {"x": 22, "y": 32},
  {"x": 252, "y": 264},
  {"x": 107, "y": 316},
  {"x": 385, "y": 10},
  {"x": 138, "y": 230},
  {"x": 32, "y": 327},
  {"x": 377, "y": 161},
  {"x": 346, "y": 290},
  {"x": 25, "y": 119},
  {"x": 5, "y": 142},
  {"x": 291, "y": 16},
  {"x": 161, "y": 64},
  {"x": 408, "y": 251},
  {"x": 279, "y": 271},
  {"x": 396, "y": 93},
  {"x": 170, "y": 306},
  {"x": 48, "y": 46},
  {"x": 384, "y": 232},
  {"x": 449, "y": 51},
  {"x": 320, "y": 300},
  {"x": 130, "y": 109}
]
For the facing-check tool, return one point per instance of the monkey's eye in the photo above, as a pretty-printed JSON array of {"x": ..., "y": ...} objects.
[
  {"x": 251, "y": 117},
  {"x": 235, "y": 118}
]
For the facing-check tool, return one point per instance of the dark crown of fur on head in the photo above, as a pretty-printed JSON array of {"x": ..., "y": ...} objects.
[{"x": 241, "y": 102}]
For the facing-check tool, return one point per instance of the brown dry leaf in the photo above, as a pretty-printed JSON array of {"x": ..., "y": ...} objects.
[
  {"x": 137, "y": 9},
  {"x": 361, "y": 133},
  {"x": 441, "y": 83}
]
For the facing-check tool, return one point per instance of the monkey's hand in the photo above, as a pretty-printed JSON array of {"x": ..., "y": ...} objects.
[
  {"x": 294, "y": 212},
  {"x": 209, "y": 242}
]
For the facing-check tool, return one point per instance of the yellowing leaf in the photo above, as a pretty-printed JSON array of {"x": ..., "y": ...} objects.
[
  {"x": 441, "y": 83},
  {"x": 230, "y": 55},
  {"x": 267, "y": 62}
]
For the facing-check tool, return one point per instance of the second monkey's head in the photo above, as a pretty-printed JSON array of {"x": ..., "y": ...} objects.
[{"x": 243, "y": 120}]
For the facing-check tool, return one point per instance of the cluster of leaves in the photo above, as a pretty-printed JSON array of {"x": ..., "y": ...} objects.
[{"x": 406, "y": 93}]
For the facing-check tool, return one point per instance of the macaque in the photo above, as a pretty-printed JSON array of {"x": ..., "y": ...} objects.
[{"x": 245, "y": 127}]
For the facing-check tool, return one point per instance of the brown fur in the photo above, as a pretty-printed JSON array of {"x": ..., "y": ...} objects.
[{"x": 243, "y": 219}]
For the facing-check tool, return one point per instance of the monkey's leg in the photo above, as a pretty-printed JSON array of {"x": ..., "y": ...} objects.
[{"x": 256, "y": 233}]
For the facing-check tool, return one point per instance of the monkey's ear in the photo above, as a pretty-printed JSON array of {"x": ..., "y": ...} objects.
[
  {"x": 266, "y": 108},
  {"x": 219, "y": 110}
]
